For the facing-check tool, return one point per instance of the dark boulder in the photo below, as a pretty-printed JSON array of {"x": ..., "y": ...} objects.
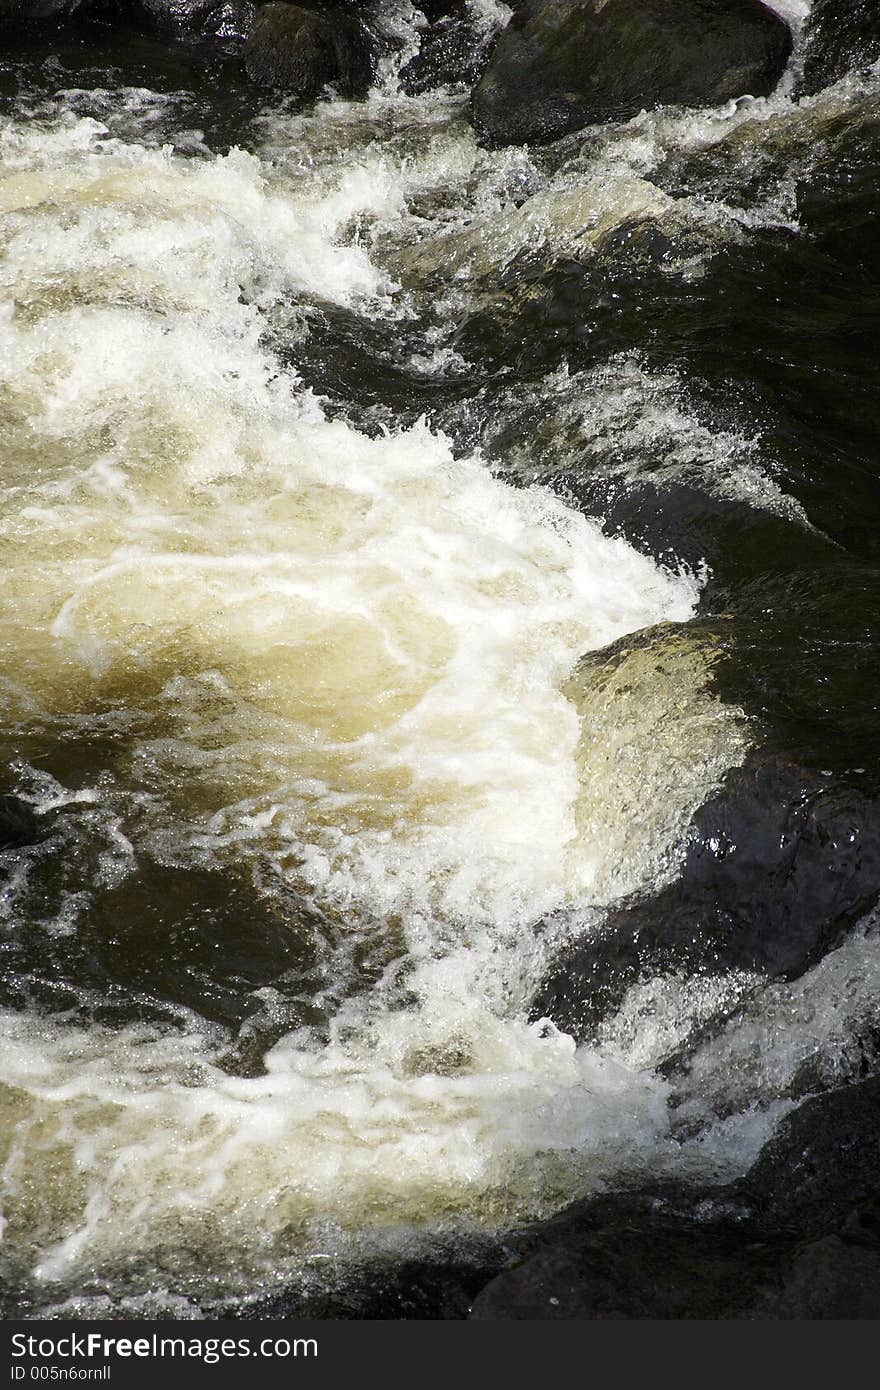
[
  {"x": 439, "y": 9},
  {"x": 453, "y": 51},
  {"x": 799, "y": 1237},
  {"x": 836, "y": 1277},
  {"x": 303, "y": 52},
  {"x": 564, "y": 64},
  {"x": 840, "y": 35},
  {"x": 225, "y": 18},
  {"x": 18, "y": 824},
  {"x": 778, "y": 867},
  {"x": 823, "y": 1162},
  {"x": 642, "y": 1257},
  {"x": 166, "y": 940},
  {"x": 633, "y": 1259},
  {"x": 22, "y": 12}
]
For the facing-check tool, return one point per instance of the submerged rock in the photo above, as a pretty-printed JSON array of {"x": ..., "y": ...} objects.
[
  {"x": 303, "y": 52},
  {"x": 163, "y": 941},
  {"x": 778, "y": 867},
  {"x": 799, "y": 1237},
  {"x": 564, "y": 64},
  {"x": 840, "y": 35},
  {"x": 822, "y": 1164}
]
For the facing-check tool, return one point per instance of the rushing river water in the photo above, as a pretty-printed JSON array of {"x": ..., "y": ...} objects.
[{"x": 334, "y": 446}]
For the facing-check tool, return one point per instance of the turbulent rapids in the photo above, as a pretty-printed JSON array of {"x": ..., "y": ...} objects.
[{"x": 362, "y": 675}]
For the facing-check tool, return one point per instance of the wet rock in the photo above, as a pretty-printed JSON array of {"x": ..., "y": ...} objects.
[
  {"x": 452, "y": 52},
  {"x": 167, "y": 940},
  {"x": 272, "y": 1017},
  {"x": 195, "y": 938},
  {"x": 647, "y": 1264},
  {"x": 565, "y": 64},
  {"x": 224, "y": 18},
  {"x": 829, "y": 1278},
  {"x": 841, "y": 34},
  {"x": 798, "y": 1238},
  {"x": 231, "y": 20},
  {"x": 440, "y": 1287},
  {"x": 440, "y": 9},
  {"x": 18, "y": 824},
  {"x": 823, "y": 1162},
  {"x": 302, "y": 51},
  {"x": 638, "y": 1263},
  {"x": 23, "y": 12},
  {"x": 778, "y": 866}
]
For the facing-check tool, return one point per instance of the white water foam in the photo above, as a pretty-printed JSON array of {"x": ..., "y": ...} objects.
[
  {"x": 352, "y": 653},
  {"x": 349, "y": 665},
  {"x": 635, "y": 424}
]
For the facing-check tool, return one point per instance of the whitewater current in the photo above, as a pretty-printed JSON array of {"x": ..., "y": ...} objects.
[{"x": 337, "y": 659}]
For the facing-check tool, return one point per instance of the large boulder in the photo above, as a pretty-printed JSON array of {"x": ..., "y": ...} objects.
[
  {"x": 823, "y": 1163},
  {"x": 653, "y": 1255},
  {"x": 778, "y": 867},
  {"x": 564, "y": 64},
  {"x": 302, "y": 51},
  {"x": 841, "y": 34},
  {"x": 19, "y": 12},
  {"x": 453, "y": 49},
  {"x": 226, "y": 18},
  {"x": 799, "y": 1237},
  {"x": 18, "y": 823}
]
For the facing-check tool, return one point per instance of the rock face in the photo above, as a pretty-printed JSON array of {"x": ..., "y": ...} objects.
[
  {"x": 629, "y": 1258},
  {"x": 777, "y": 869},
  {"x": 798, "y": 1238},
  {"x": 564, "y": 64},
  {"x": 303, "y": 52},
  {"x": 841, "y": 34}
]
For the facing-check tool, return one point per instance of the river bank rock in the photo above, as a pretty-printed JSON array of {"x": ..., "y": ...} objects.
[
  {"x": 840, "y": 34},
  {"x": 778, "y": 867},
  {"x": 799, "y": 1237},
  {"x": 564, "y": 64},
  {"x": 302, "y": 51}
]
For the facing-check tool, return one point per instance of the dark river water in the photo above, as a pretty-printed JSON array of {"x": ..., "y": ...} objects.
[{"x": 337, "y": 452}]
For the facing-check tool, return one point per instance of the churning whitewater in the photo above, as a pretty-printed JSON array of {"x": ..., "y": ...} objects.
[
  {"x": 339, "y": 661},
  {"x": 335, "y": 660}
]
